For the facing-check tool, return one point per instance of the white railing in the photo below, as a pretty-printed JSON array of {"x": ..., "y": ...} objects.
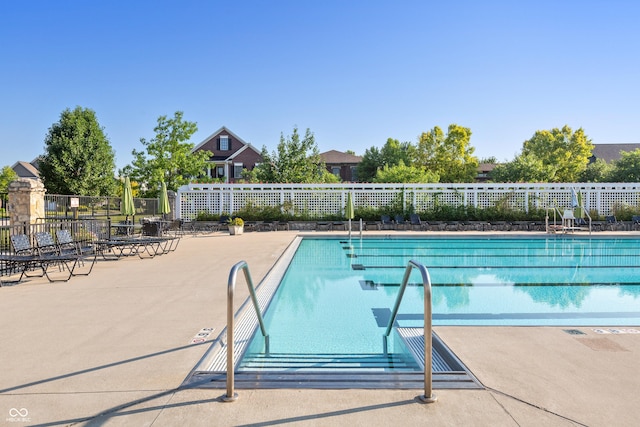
[{"x": 317, "y": 200}]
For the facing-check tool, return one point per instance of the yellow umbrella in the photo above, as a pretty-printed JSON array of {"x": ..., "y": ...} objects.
[
  {"x": 349, "y": 210},
  {"x": 163, "y": 202},
  {"x": 126, "y": 205}
]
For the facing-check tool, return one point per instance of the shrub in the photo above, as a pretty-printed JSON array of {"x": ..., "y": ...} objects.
[{"x": 236, "y": 221}]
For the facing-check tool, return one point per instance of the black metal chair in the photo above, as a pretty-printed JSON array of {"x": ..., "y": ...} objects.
[
  {"x": 400, "y": 222},
  {"x": 416, "y": 222},
  {"x": 611, "y": 222}
]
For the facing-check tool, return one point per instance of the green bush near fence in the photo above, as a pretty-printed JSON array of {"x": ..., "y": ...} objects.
[{"x": 495, "y": 213}]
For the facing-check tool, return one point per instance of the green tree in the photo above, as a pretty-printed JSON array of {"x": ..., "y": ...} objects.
[
  {"x": 449, "y": 156},
  {"x": 627, "y": 168},
  {"x": 296, "y": 160},
  {"x": 401, "y": 173},
  {"x": 489, "y": 160},
  {"x": 371, "y": 162},
  {"x": 524, "y": 168},
  {"x": 598, "y": 171},
  {"x": 7, "y": 174},
  {"x": 78, "y": 157},
  {"x": 167, "y": 157},
  {"x": 392, "y": 153},
  {"x": 567, "y": 151}
]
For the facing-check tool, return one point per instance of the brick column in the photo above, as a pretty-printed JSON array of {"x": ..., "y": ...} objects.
[{"x": 26, "y": 201}]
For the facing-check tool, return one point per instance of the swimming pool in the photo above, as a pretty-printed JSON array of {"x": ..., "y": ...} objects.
[{"x": 334, "y": 299}]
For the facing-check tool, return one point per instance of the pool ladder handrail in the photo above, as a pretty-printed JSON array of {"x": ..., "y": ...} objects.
[
  {"x": 428, "y": 396},
  {"x": 231, "y": 396}
]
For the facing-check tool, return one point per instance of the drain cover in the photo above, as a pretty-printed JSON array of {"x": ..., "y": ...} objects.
[{"x": 574, "y": 331}]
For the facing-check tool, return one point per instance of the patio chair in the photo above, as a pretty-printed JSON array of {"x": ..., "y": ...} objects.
[
  {"x": 42, "y": 257},
  {"x": 386, "y": 222},
  {"x": 66, "y": 245},
  {"x": 415, "y": 221},
  {"x": 11, "y": 264},
  {"x": 610, "y": 222},
  {"x": 400, "y": 222},
  {"x": 45, "y": 245},
  {"x": 21, "y": 244}
]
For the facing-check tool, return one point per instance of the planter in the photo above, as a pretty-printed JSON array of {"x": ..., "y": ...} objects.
[{"x": 236, "y": 229}]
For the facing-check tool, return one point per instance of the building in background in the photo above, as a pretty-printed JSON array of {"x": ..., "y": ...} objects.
[
  {"x": 230, "y": 155},
  {"x": 342, "y": 165}
]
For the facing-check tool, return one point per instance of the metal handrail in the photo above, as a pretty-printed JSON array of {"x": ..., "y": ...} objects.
[
  {"x": 231, "y": 396},
  {"x": 428, "y": 396},
  {"x": 563, "y": 227}
]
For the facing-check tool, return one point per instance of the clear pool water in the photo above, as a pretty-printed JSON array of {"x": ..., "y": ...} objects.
[{"x": 336, "y": 295}]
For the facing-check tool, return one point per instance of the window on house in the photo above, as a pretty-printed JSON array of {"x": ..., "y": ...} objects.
[
  {"x": 354, "y": 173},
  {"x": 224, "y": 143},
  {"x": 237, "y": 170},
  {"x": 220, "y": 171},
  {"x": 336, "y": 171}
]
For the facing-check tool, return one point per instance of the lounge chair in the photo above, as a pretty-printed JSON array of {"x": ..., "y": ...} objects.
[
  {"x": 414, "y": 220},
  {"x": 42, "y": 257},
  {"x": 400, "y": 222},
  {"x": 66, "y": 245},
  {"x": 12, "y": 264},
  {"x": 611, "y": 222},
  {"x": 385, "y": 222}
]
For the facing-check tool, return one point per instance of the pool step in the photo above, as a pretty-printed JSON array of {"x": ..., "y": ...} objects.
[{"x": 323, "y": 362}]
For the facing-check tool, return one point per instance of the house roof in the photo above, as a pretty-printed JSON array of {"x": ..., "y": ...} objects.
[
  {"x": 25, "y": 170},
  {"x": 611, "y": 152},
  {"x": 334, "y": 157},
  {"x": 223, "y": 129},
  {"x": 486, "y": 167}
]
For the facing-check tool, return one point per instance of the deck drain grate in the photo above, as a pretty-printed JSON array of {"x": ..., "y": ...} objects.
[{"x": 574, "y": 331}]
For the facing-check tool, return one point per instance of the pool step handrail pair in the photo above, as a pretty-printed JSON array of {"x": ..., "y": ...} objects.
[
  {"x": 231, "y": 396},
  {"x": 428, "y": 396}
]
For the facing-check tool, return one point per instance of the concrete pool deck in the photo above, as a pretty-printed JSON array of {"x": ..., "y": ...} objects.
[{"x": 114, "y": 347}]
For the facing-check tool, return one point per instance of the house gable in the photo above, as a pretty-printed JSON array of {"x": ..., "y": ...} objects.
[
  {"x": 26, "y": 170},
  {"x": 229, "y": 152}
]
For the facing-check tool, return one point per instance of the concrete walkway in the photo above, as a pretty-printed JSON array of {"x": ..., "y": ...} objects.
[{"x": 113, "y": 348}]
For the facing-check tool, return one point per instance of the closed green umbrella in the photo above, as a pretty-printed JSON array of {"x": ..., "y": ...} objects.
[
  {"x": 126, "y": 204},
  {"x": 349, "y": 210},
  {"x": 163, "y": 202}
]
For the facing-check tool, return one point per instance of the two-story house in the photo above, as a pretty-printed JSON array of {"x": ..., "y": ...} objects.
[
  {"x": 342, "y": 165},
  {"x": 230, "y": 155}
]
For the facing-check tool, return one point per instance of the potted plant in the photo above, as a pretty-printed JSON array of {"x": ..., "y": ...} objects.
[{"x": 236, "y": 226}]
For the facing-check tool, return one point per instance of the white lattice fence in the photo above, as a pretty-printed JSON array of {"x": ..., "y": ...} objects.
[{"x": 329, "y": 199}]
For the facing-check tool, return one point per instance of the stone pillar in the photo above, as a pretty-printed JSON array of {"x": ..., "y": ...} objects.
[
  {"x": 26, "y": 201},
  {"x": 172, "y": 196}
]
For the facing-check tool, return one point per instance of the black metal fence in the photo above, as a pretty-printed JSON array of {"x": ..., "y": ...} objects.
[
  {"x": 100, "y": 207},
  {"x": 84, "y": 232},
  {"x": 4, "y": 201}
]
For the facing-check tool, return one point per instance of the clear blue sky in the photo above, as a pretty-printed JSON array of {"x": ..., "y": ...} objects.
[{"x": 354, "y": 72}]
